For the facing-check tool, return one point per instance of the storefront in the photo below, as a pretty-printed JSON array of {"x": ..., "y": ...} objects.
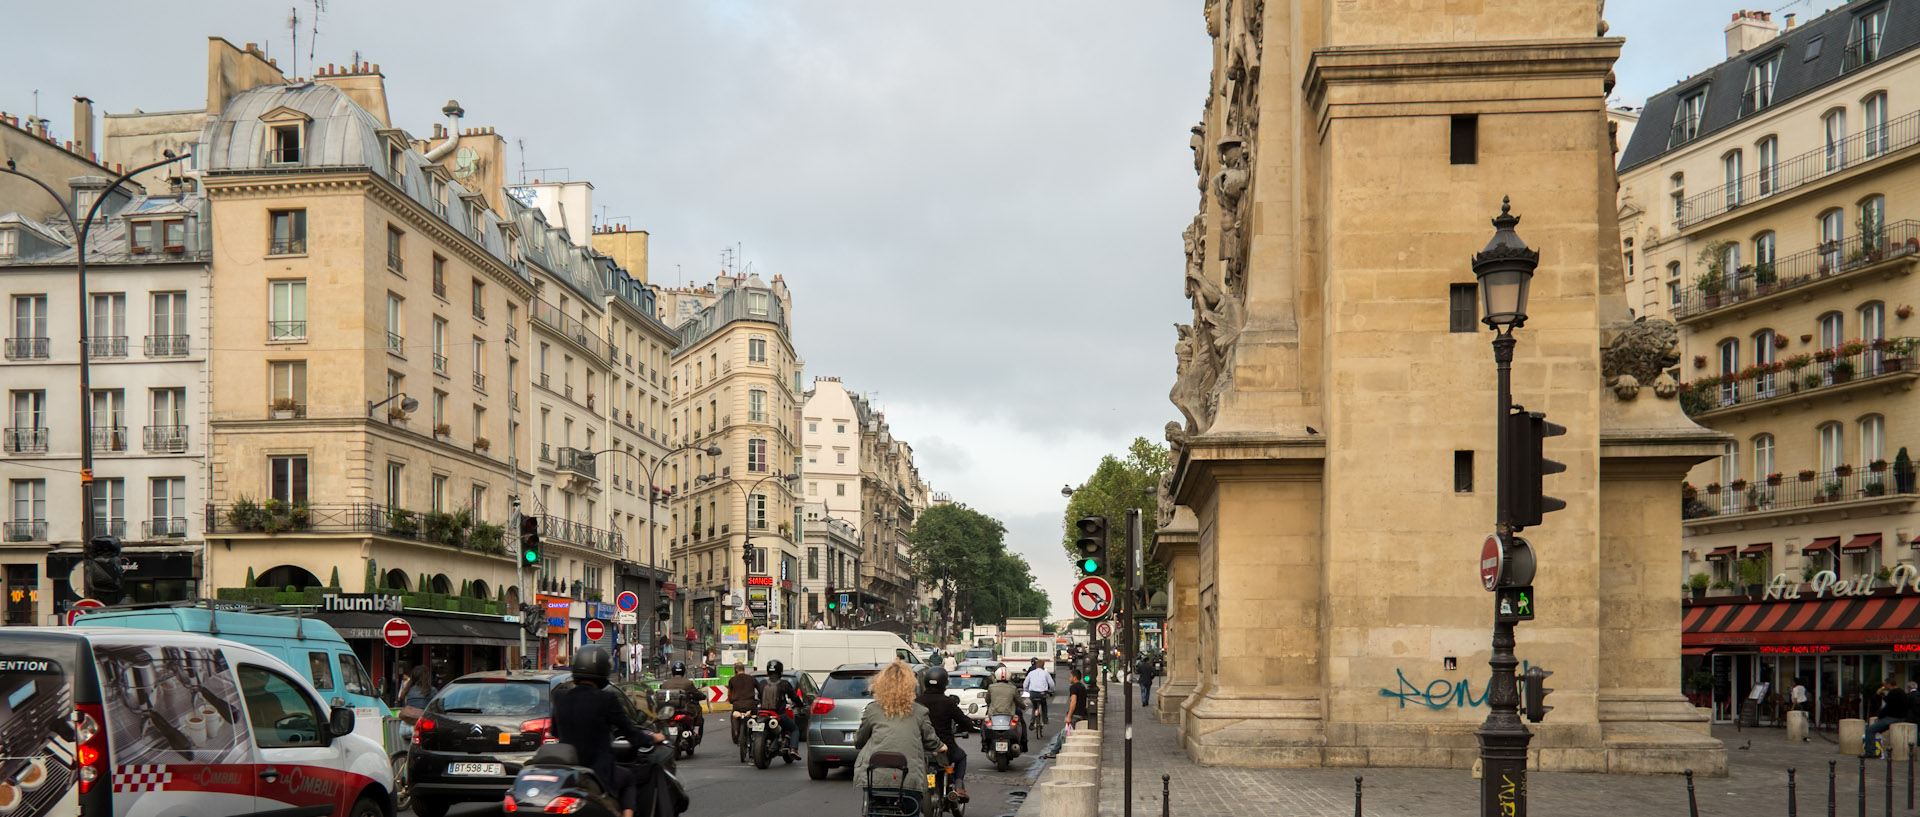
[
  {"x": 453, "y": 644},
  {"x": 1838, "y": 638},
  {"x": 153, "y": 574},
  {"x": 554, "y": 650}
]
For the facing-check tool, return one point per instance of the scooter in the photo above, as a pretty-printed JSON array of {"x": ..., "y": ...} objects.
[
  {"x": 674, "y": 719},
  {"x": 1002, "y": 740},
  {"x": 554, "y": 782},
  {"x": 767, "y": 739}
]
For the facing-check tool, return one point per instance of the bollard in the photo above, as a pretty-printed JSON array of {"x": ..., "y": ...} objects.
[
  {"x": 1793, "y": 798},
  {"x": 1863, "y": 786},
  {"x": 1356, "y": 795},
  {"x": 1889, "y": 810},
  {"x": 1166, "y": 795},
  {"x": 1069, "y": 799},
  {"x": 1693, "y": 806},
  {"x": 1852, "y": 731},
  {"x": 1077, "y": 759},
  {"x": 1797, "y": 725},
  {"x": 1910, "y": 779},
  {"x": 1076, "y": 773},
  {"x": 1899, "y": 740},
  {"x": 1832, "y": 766}
]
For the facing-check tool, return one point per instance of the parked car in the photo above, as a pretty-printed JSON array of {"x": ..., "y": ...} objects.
[
  {"x": 478, "y": 731},
  {"x": 96, "y": 716},
  {"x": 836, "y": 717}
]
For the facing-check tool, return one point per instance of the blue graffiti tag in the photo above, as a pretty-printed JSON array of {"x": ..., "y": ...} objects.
[{"x": 1438, "y": 694}]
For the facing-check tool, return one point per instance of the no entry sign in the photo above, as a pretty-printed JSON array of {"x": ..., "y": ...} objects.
[
  {"x": 80, "y": 608},
  {"x": 397, "y": 632},
  {"x": 1092, "y": 598},
  {"x": 628, "y": 600},
  {"x": 596, "y": 629},
  {"x": 1493, "y": 560}
]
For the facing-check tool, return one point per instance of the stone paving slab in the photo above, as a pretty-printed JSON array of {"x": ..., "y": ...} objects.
[{"x": 1755, "y": 787}]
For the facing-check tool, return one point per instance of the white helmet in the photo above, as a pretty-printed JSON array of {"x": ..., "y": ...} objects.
[{"x": 1002, "y": 674}]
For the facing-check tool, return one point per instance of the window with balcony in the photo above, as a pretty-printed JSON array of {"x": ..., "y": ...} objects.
[
  {"x": 287, "y": 312},
  {"x": 28, "y": 433},
  {"x": 167, "y": 421},
  {"x": 167, "y": 507},
  {"x": 396, "y": 325},
  {"x": 396, "y": 250},
  {"x": 1764, "y": 251},
  {"x": 1763, "y": 464},
  {"x": 439, "y": 277},
  {"x": 1677, "y": 193},
  {"x": 1873, "y": 439},
  {"x": 288, "y": 380},
  {"x": 756, "y": 350},
  {"x": 1767, "y": 174},
  {"x": 29, "y": 340},
  {"x": 107, "y": 325},
  {"x": 757, "y": 455},
  {"x": 439, "y": 345},
  {"x": 27, "y": 520},
  {"x": 479, "y": 299},
  {"x": 479, "y": 364},
  {"x": 1761, "y": 75},
  {"x": 110, "y": 506},
  {"x": 756, "y": 406},
  {"x": 140, "y": 237},
  {"x": 1872, "y": 222},
  {"x": 1873, "y": 116},
  {"x": 168, "y": 325},
  {"x": 1863, "y": 39},
  {"x": 1833, "y": 229},
  {"x": 1687, "y": 117},
  {"x": 757, "y": 506},
  {"x": 109, "y": 420},
  {"x": 173, "y": 235},
  {"x": 1729, "y": 364},
  {"x": 289, "y": 232},
  {"x": 1834, "y": 125},
  {"x": 437, "y": 499},
  {"x": 1832, "y": 447},
  {"x": 1732, "y": 171}
]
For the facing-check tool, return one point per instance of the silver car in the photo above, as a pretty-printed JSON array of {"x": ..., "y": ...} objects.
[{"x": 836, "y": 717}]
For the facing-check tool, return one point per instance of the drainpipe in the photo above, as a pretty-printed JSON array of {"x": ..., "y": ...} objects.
[{"x": 453, "y": 112}]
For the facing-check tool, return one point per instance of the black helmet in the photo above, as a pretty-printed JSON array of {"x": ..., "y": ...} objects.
[
  {"x": 679, "y": 667},
  {"x": 592, "y": 663},
  {"x": 775, "y": 669},
  {"x": 936, "y": 679}
]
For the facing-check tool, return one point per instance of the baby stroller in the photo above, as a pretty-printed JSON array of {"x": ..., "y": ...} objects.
[{"x": 888, "y": 791}]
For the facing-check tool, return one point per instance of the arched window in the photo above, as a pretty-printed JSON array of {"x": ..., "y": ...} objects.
[
  {"x": 1872, "y": 218},
  {"x": 1729, "y": 365},
  {"x": 1763, "y": 256},
  {"x": 1833, "y": 228},
  {"x": 1873, "y": 439},
  {"x": 1768, "y": 172},
  {"x": 1873, "y": 123},
  {"x": 1763, "y": 465},
  {"x": 1678, "y": 193},
  {"x": 1731, "y": 170},
  {"x": 1835, "y": 124},
  {"x": 1729, "y": 471},
  {"x": 1831, "y": 452},
  {"x": 1832, "y": 330},
  {"x": 1730, "y": 265},
  {"x": 1763, "y": 356},
  {"x": 1873, "y": 320}
]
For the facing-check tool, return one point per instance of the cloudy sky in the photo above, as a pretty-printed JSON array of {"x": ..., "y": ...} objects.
[{"x": 978, "y": 205}]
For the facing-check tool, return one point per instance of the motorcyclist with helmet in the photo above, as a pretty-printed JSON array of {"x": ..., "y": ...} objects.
[
  {"x": 586, "y": 714},
  {"x": 1003, "y": 698},
  {"x": 945, "y": 714},
  {"x": 777, "y": 693},
  {"x": 690, "y": 698}
]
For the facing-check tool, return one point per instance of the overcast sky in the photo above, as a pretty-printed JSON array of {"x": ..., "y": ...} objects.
[{"x": 978, "y": 205}]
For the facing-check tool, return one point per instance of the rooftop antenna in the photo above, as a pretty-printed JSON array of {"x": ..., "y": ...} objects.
[
  {"x": 293, "y": 25},
  {"x": 523, "y": 158},
  {"x": 313, "y": 37}
]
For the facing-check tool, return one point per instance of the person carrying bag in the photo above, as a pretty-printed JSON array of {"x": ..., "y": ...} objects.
[{"x": 415, "y": 693}]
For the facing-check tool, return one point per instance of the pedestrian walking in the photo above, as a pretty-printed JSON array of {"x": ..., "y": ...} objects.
[{"x": 1145, "y": 671}]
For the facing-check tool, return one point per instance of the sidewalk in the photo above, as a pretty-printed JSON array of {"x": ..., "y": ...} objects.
[{"x": 1755, "y": 787}]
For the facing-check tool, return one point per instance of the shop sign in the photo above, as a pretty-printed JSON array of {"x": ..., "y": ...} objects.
[
  {"x": 1796, "y": 649},
  {"x": 360, "y": 603},
  {"x": 1826, "y": 583},
  {"x": 759, "y": 581},
  {"x": 599, "y": 609}
]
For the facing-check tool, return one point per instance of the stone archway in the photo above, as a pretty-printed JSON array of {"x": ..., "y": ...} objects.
[
  {"x": 442, "y": 584},
  {"x": 397, "y": 580},
  {"x": 283, "y": 576},
  {"x": 479, "y": 590}
]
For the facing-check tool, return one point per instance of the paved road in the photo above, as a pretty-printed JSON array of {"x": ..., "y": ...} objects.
[{"x": 720, "y": 785}]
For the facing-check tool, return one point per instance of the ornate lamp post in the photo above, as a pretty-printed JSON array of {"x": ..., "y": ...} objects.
[
  {"x": 653, "y": 501},
  {"x": 1504, "y": 270},
  {"x": 746, "y": 498}
]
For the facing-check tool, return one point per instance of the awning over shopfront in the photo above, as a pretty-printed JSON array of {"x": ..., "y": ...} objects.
[
  {"x": 1695, "y": 650},
  {"x": 1863, "y": 541},
  {"x": 1885, "y": 622},
  {"x": 1820, "y": 544},
  {"x": 428, "y": 628},
  {"x": 1761, "y": 549},
  {"x": 1723, "y": 552}
]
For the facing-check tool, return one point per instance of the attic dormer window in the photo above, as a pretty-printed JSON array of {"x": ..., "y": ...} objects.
[
  {"x": 173, "y": 235},
  {"x": 396, "y": 163},
  {"x": 140, "y": 237},
  {"x": 286, "y": 145},
  {"x": 1687, "y": 116},
  {"x": 9, "y": 243}
]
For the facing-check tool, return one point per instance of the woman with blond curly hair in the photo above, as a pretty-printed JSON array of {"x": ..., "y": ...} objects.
[{"x": 894, "y": 723}]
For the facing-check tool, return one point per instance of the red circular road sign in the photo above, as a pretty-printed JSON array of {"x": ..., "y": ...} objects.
[
  {"x": 79, "y": 608},
  {"x": 628, "y": 601},
  {"x": 1092, "y": 597},
  {"x": 596, "y": 629},
  {"x": 1493, "y": 561},
  {"x": 397, "y": 632}
]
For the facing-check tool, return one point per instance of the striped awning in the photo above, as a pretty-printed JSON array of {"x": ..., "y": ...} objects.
[
  {"x": 1863, "y": 541},
  {"x": 1882, "y": 620},
  {"x": 1757, "y": 550},
  {"x": 1723, "y": 552},
  {"x": 1821, "y": 543}
]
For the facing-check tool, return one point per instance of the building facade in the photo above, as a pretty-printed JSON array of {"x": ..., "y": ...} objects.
[
  {"x": 833, "y": 552},
  {"x": 1767, "y": 208},
  {"x": 1336, "y": 452}
]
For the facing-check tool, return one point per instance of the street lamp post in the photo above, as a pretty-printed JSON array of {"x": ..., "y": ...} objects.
[
  {"x": 1504, "y": 270},
  {"x": 746, "y": 499},
  {"x": 653, "y": 501},
  {"x": 86, "y": 374}
]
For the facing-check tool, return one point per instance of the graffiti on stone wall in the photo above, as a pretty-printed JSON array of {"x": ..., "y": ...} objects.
[{"x": 1439, "y": 693}]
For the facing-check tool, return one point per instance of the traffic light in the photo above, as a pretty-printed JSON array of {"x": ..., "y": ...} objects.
[
  {"x": 663, "y": 607},
  {"x": 104, "y": 571},
  {"x": 1526, "y": 433},
  {"x": 530, "y": 540},
  {"x": 1513, "y": 604},
  {"x": 1092, "y": 545},
  {"x": 533, "y": 618},
  {"x": 833, "y": 601},
  {"x": 1535, "y": 682}
]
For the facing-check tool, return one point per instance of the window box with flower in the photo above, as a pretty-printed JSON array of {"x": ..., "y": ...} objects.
[
  {"x": 1775, "y": 478},
  {"x": 1807, "y": 475}
]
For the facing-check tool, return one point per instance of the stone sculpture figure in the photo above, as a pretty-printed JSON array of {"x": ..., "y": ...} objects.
[
  {"x": 1230, "y": 188},
  {"x": 1191, "y": 382},
  {"x": 1642, "y": 354}
]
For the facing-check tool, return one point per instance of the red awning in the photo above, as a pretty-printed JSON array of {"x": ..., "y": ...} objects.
[
  {"x": 1821, "y": 543},
  {"x": 1723, "y": 552},
  {"x": 1883, "y": 622},
  {"x": 1695, "y": 650},
  {"x": 1757, "y": 550},
  {"x": 1862, "y": 542}
]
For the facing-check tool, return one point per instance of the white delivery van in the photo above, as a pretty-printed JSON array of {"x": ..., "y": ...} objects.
[
  {"x": 1018, "y": 652},
  {"x": 114, "y": 722},
  {"x": 818, "y": 652}
]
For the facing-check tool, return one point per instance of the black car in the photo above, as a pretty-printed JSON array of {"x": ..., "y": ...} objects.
[{"x": 477, "y": 731}]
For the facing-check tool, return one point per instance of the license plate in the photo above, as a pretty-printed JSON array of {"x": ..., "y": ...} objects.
[
  {"x": 477, "y": 768},
  {"x": 758, "y": 726},
  {"x": 849, "y": 736},
  {"x": 673, "y": 730},
  {"x": 1000, "y": 745}
]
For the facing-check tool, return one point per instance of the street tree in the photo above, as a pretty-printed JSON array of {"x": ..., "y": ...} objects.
[
  {"x": 959, "y": 545},
  {"x": 1130, "y": 480}
]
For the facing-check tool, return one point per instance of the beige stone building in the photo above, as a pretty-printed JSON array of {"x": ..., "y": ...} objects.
[
  {"x": 1336, "y": 460},
  {"x": 735, "y": 385},
  {"x": 866, "y": 477},
  {"x": 1767, "y": 207}
]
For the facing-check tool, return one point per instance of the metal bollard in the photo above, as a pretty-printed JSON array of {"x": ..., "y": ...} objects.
[
  {"x": 1889, "y": 782},
  {"x": 1910, "y": 753},
  {"x": 1693, "y": 807},
  {"x": 1793, "y": 798},
  {"x": 1356, "y": 795},
  {"x": 1863, "y": 785},
  {"x": 1832, "y": 766},
  {"x": 1166, "y": 795}
]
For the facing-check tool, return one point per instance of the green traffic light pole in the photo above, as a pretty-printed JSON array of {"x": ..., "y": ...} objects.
[
  {"x": 653, "y": 581},
  {"x": 1504, "y": 269}
]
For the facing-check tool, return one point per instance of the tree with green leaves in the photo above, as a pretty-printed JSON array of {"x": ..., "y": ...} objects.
[
  {"x": 957, "y": 544},
  {"x": 1119, "y": 483}
]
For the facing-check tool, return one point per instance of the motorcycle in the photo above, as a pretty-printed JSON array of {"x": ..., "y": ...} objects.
[
  {"x": 674, "y": 717},
  {"x": 1002, "y": 742},
  {"x": 554, "y": 782},
  {"x": 767, "y": 739},
  {"x": 940, "y": 798}
]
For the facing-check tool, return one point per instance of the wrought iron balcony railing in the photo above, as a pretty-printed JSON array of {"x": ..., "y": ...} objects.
[
  {"x": 164, "y": 528},
  {"x": 579, "y": 462},
  {"x": 1826, "y": 263},
  {"x": 1847, "y": 484},
  {"x": 1868, "y": 145},
  {"x": 286, "y": 330},
  {"x": 110, "y": 438},
  {"x": 287, "y": 246},
  {"x": 27, "y": 349},
  {"x": 25, "y": 441},
  {"x": 396, "y": 344},
  {"x": 167, "y": 345},
  {"x": 27, "y": 531},
  {"x": 457, "y": 530},
  {"x": 104, "y": 346},
  {"x": 1803, "y": 375},
  {"x": 575, "y": 533},
  {"x": 166, "y": 439}
]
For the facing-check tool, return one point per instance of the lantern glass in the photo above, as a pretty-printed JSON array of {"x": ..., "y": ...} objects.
[{"x": 1503, "y": 293}]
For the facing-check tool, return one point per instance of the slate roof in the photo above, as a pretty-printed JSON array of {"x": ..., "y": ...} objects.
[{"x": 1799, "y": 75}]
